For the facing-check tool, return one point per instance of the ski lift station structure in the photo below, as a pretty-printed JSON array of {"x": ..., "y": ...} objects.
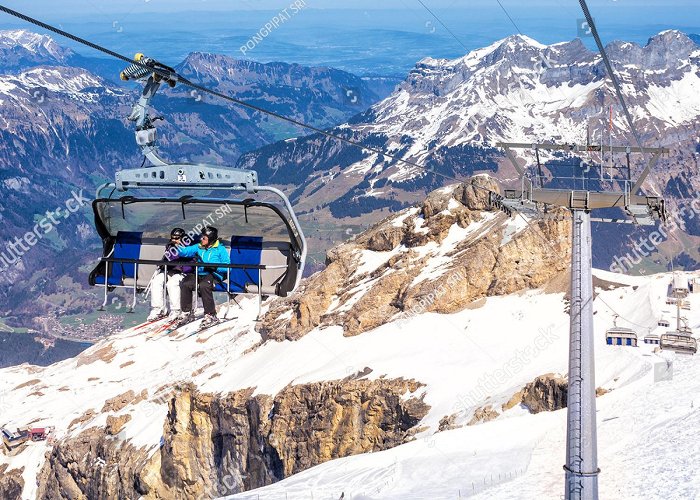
[{"x": 266, "y": 243}]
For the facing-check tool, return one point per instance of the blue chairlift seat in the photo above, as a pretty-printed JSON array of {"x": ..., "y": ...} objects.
[
  {"x": 126, "y": 246},
  {"x": 245, "y": 250}
]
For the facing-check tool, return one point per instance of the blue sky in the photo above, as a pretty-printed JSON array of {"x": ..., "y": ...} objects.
[
  {"x": 82, "y": 7},
  {"x": 363, "y": 36},
  {"x": 74, "y": 6}
]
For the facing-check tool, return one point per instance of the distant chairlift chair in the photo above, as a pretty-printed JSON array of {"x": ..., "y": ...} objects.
[
  {"x": 679, "y": 341},
  {"x": 618, "y": 335}
]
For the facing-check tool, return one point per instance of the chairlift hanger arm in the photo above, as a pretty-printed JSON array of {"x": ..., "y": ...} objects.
[{"x": 152, "y": 74}]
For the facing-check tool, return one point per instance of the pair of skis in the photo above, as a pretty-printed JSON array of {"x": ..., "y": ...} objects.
[
  {"x": 144, "y": 328},
  {"x": 171, "y": 327}
]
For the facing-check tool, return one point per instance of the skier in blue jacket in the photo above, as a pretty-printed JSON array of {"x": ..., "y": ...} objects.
[{"x": 209, "y": 251}]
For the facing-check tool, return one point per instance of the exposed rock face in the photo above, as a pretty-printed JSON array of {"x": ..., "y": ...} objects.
[
  {"x": 116, "y": 424},
  {"x": 216, "y": 445},
  {"x": 11, "y": 483},
  {"x": 448, "y": 422},
  {"x": 119, "y": 402},
  {"x": 91, "y": 465},
  {"x": 381, "y": 273},
  {"x": 485, "y": 414},
  {"x": 545, "y": 393}
]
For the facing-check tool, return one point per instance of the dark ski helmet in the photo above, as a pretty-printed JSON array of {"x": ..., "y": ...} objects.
[
  {"x": 177, "y": 233},
  {"x": 212, "y": 233}
]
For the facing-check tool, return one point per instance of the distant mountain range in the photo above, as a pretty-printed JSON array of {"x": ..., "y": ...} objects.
[
  {"x": 62, "y": 127},
  {"x": 449, "y": 115}
]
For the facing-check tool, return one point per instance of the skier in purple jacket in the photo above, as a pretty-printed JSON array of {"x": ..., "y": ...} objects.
[{"x": 174, "y": 275}]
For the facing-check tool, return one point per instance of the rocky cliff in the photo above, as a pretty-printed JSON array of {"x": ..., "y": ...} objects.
[
  {"x": 440, "y": 257},
  {"x": 11, "y": 483},
  {"x": 545, "y": 393},
  {"x": 216, "y": 444}
]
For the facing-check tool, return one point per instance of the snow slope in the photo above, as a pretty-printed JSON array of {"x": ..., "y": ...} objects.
[
  {"x": 465, "y": 359},
  {"x": 648, "y": 443}
]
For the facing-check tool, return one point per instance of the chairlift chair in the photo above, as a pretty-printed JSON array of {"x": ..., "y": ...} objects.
[
  {"x": 679, "y": 285},
  {"x": 256, "y": 223},
  {"x": 679, "y": 341},
  {"x": 652, "y": 338},
  {"x": 618, "y": 335}
]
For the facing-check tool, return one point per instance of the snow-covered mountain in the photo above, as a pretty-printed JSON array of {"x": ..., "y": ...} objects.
[
  {"x": 424, "y": 362},
  {"x": 449, "y": 115},
  {"x": 520, "y": 90},
  {"x": 22, "y": 48}
]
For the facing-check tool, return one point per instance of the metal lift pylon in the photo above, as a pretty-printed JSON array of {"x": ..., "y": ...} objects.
[
  {"x": 581, "y": 437},
  {"x": 581, "y": 469}
]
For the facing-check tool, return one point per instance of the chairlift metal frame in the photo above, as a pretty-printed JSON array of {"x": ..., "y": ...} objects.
[
  {"x": 164, "y": 175},
  {"x": 640, "y": 209}
]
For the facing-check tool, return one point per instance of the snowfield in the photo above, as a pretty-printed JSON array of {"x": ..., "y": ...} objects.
[
  {"x": 647, "y": 430},
  {"x": 647, "y": 442}
]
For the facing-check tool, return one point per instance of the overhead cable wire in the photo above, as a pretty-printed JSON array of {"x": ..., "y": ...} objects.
[
  {"x": 508, "y": 15},
  {"x": 611, "y": 73},
  {"x": 443, "y": 25}
]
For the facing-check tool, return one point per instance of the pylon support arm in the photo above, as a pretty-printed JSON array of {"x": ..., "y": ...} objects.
[
  {"x": 643, "y": 210},
  {"x": 514, "y": 161},
  {"x": 577, "y": 148},
  {"x": 643, "y": 176}
]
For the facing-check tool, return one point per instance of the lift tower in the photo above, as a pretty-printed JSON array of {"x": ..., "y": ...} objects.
[{"x": 581, "y": 469}]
